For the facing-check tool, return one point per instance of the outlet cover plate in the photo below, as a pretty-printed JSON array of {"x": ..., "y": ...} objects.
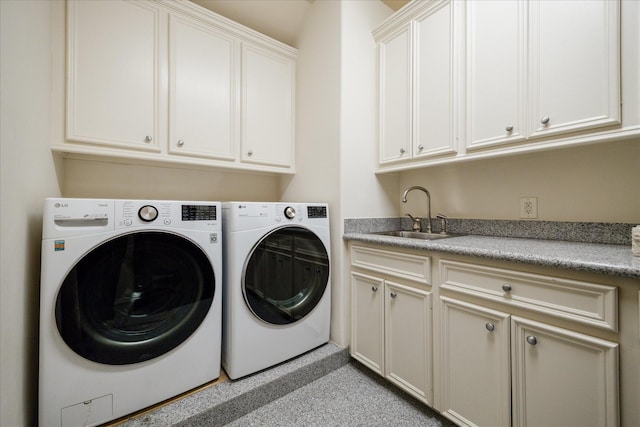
[{"x": 528, "y": 207}]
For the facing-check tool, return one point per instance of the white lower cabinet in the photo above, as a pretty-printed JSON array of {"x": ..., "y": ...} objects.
[
  {"x": 407, "y": 339},
  {"x": 476, "y": 376},
  {"x": 367, "y": 321},
  {"x": 391, "y": 327},
  {"x": 561, "y": 377},
  {"x": 499, "y": 369},
  {"x": 490, "y": 345},
  {"x": 391, "y": 332}
]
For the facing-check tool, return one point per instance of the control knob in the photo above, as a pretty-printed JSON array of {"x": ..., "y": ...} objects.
[
  {"x": 289, "y": 212},
  {"x": 148, "y": 213}
]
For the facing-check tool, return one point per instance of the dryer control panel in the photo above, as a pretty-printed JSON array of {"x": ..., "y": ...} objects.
[{"x": 253, "y": 215}]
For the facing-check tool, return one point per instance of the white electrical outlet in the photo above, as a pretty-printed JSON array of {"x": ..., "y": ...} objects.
[{"x": 528, "y": 207}]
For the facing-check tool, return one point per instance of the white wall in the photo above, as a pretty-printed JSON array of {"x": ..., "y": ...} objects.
[
  {"x": 317, "y": 108},
  {"x": 336, "y": 127},
  {"x": 363, "y": 194},
  {"x": 84, "y": 178},
  {"x": 595, "y": 183},
  {"x": 27, "y": 176}
]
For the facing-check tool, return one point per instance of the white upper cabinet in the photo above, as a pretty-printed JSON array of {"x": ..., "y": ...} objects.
[
  {"x": 539, "y": 68},
  {"x": 113, "y": 74},
  {"x": 395, "y": 96},
  {"x": 433, "y": 105},
  {"x": 169, "y": 81},
  {"x": 496, "y": 41},
  {"x": 268, "y": 82},
  {"x": 575, "y": 65},
  {"x": 416, "y": 84},
  {"x": 477, "y": 79},
  {"x": 202, "y": 82}
]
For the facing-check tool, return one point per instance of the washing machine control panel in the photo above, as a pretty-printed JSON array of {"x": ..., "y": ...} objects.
[
  {"x": 67, "y": 217},
  {"x": 189, "y": 215}
]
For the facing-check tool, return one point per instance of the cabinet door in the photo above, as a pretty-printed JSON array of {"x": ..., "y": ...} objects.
[
  {"x": 408, "y": 343},
  {"x": 476, "y": 386},
  {"x": 268, "y": 82},
  {"x": 434, "y": 82},
  {"x": 202, "y": 84},
  {"x": 395, "y": 96},
  {"x": 113, "y": 73},
  {"x": 561, "y": 377},
  {"x": 367, "y": 321},
  {"x": 496, "y": 61},
  {"x": 575, "y": 65}
]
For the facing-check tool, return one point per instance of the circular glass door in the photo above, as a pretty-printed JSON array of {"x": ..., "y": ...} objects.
[
  {"x": 134, "y": 298},
  {"x": 285, "y": 275}
]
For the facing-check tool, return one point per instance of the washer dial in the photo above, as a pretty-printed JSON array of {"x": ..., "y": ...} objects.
[
  {"x": 289, "y": 212},
  {"x": 148, "y": 213}
]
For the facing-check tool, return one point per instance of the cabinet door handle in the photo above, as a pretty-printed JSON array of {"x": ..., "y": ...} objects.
[
  {"x": 250, "y": 153},
  {"x": 402, "y": 151},
  {"x": 509, "y": 129},
  {"x": 374, "y": 289},
  {"x": 532, "y": 340},
  {"x": 490, "y": 327},
  {"x": 180, "y": 143},
  {"x": 506, "y": 287},
  {"x": 544, "y": 120},
  {"x": 148, "y": 138},
  {"x": 420, "y": 147},
  {"x": 393, "y": 295}
]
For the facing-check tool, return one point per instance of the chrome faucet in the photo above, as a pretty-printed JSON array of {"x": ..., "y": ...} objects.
[{"x": 416, "y": 187}]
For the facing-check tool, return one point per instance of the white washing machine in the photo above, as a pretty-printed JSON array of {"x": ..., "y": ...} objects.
[
  {"x": 277, "y": 291},
  {"x": 130, "y": 305}
]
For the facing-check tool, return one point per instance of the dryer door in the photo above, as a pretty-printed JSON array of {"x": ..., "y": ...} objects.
[
  {"x": 285, "y": 275},
  {"x": 135, "y": 297}
]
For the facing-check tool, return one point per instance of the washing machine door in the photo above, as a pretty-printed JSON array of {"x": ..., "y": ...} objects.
[
  {"x": 135, "y": 297},
  {"x": 285, "y": 275}
]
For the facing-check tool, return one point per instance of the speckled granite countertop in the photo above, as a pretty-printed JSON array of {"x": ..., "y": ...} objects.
[{"x": 590, "y": 257}]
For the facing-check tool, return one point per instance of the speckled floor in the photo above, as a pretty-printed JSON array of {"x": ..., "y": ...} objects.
[
  {"x": 323, "y": 387},
  {"x": 348, "y": 396}
]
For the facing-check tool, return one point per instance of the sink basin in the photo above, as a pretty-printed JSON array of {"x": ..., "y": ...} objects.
[{"x": 416, "y": 235}]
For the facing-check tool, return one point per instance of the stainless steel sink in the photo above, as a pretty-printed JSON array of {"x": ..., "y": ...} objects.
[{"x": 416, "y": 235}]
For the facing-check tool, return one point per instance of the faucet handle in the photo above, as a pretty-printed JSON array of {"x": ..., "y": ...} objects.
[
  {"x": 443, "y": 226},
  {"x": 417, "y": 223}
]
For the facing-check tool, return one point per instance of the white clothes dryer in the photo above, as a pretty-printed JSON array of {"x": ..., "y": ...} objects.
[
  {"x": 130, "y": 305},
  {"x": 276, "y": 288}
]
